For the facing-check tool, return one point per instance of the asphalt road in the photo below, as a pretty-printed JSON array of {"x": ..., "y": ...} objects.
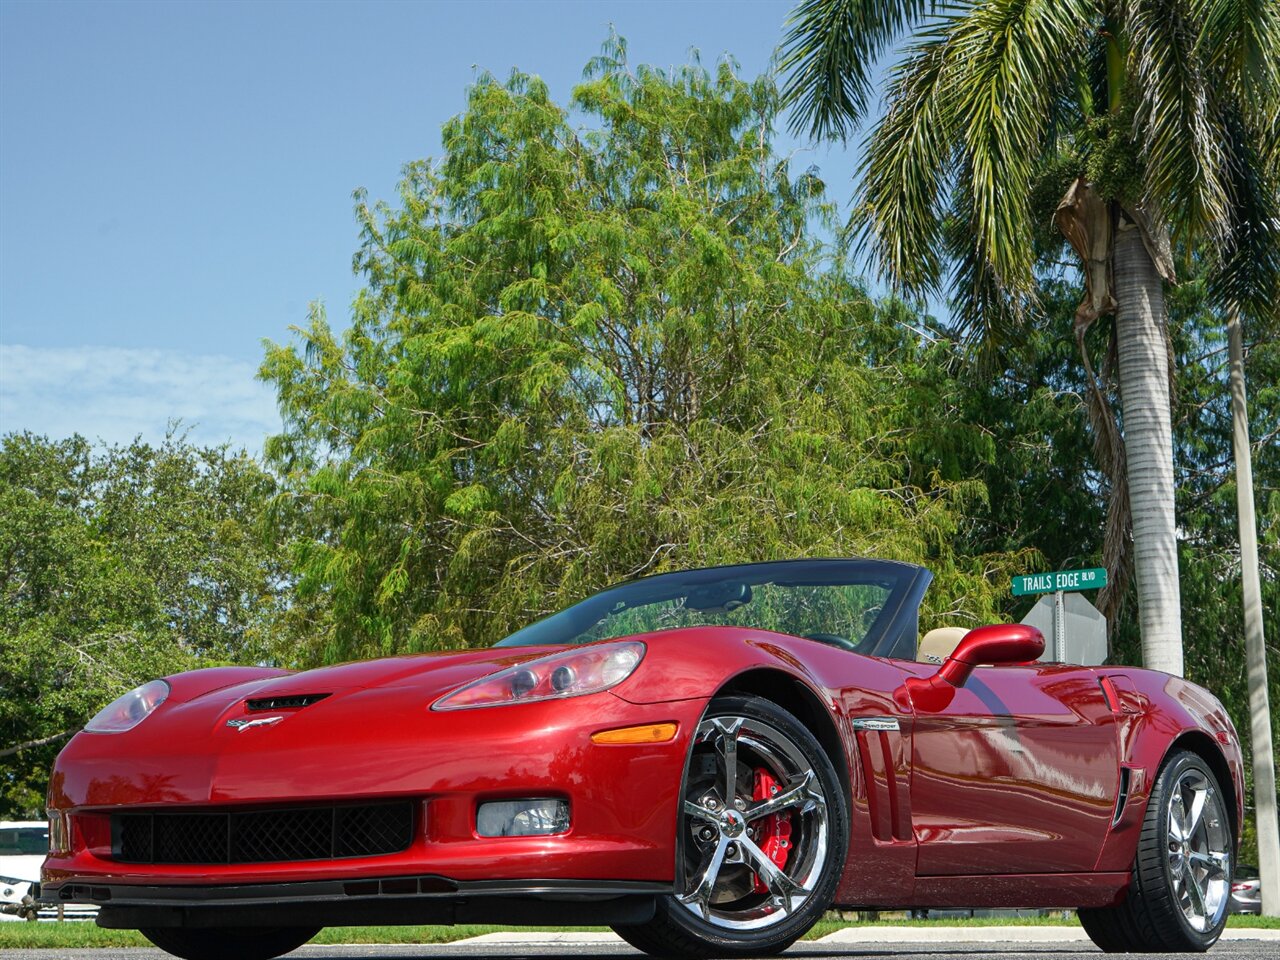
[{"x": 1226, "y": 950}]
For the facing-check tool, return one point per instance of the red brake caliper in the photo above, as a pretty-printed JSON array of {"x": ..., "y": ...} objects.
[{"x": 773, "y": 833}]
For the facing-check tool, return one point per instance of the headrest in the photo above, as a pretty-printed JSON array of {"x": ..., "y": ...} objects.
[{"x": 938, "y": 644}]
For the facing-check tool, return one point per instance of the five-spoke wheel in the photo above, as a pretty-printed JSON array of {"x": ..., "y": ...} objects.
[
  {"x": 764, "y": 830},
  {"x": 1181, "y": 885},
  {"x": 1198, "y": 849}
]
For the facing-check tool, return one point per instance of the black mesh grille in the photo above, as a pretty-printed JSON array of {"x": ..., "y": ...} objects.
[
  {"x": 295, "y": 702},
  {"x": 263, "y": 836},
  {"x": 367, "y": 828},
  {"x": 133, "y": 834}
]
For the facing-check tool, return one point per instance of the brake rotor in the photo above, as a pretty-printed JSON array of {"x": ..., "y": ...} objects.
[{"x": 736, "y": 879}]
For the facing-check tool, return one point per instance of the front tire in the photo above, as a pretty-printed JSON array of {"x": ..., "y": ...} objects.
[
  {"x": 1181, "y": 883},
  {"x": 243, "y": 943},
  {"x": 755, "y": 774}
]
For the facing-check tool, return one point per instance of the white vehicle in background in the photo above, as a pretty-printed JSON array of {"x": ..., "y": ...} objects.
[{"x": 23, "y": 845}]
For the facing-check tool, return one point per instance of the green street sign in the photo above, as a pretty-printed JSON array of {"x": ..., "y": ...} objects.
[{"x": 1094, "y": 578}]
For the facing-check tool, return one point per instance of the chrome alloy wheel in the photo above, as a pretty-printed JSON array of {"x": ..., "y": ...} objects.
[
  {"x": 1198, "y": 850},
  {"x": 731, "y": 882}
]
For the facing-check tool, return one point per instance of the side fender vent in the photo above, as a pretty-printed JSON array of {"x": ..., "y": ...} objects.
[{"x": 1122, "y": 798}]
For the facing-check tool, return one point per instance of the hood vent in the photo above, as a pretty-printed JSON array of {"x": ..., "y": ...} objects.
[{"x": 294, "y": 701}]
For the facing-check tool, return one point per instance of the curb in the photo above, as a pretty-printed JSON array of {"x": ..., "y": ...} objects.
[
  {"x": 867, "y": 934},
  {"x": 1012, "y": 934},
  {"x": 546, "y": 939}
]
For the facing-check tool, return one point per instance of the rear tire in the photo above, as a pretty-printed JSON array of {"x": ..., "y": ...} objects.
[
  {"x": 1180, "y": 888},
  {"x": 738, "y": 902},
  {"x": 239, "y": 943}
]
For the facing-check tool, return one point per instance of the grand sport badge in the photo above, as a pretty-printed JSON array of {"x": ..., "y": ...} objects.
[{"x": 247, "y": 723}]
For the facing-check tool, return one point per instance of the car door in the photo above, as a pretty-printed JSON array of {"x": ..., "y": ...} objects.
[
  {"x": 878, "y": 736},
  {"x": 1017, "y": 774}
]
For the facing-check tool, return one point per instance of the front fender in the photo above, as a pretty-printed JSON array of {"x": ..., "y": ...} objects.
[
  {"x": 695, "y": 663},
  {"x": 1159, "y": 714}
]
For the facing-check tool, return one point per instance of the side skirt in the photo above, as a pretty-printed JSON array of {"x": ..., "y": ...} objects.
[{"x": 1025, "y": 890}]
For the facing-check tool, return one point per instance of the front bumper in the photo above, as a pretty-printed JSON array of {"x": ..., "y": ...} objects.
[
  {"x": 388, "y": 901},
  {"x": 624, "y": 799}
]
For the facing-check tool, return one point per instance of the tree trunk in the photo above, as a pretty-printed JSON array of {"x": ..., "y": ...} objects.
[
  {"x": 1264, "y": 768},
  {"x": 1143, "y": 367}
]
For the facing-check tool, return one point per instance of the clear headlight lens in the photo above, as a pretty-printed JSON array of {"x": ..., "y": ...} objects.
[
  {"x": 130, "y": 710},
  {"x": 570, "y": 674}
]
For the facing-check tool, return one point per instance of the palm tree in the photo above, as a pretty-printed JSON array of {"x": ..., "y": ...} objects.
[{"x": 1164, "y": 118}]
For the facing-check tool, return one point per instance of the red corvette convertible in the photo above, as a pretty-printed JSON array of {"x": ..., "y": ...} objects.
[{"x": 705, "y": 761}]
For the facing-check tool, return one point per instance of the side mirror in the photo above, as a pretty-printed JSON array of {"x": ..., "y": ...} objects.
[{"x": 996, "y": 644}]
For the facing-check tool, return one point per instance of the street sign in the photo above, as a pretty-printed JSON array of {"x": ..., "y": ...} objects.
[
  {"x": 1093, "y": 578},
  {"x": 1075, "y": 631}
]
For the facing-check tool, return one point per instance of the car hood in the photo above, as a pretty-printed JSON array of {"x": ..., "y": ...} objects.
[
  {"x": 430, "y": 675},
  {"x": 22, "y": 867}
]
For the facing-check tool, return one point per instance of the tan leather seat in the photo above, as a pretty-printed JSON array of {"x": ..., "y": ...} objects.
[{"x": 938, "y": 644}]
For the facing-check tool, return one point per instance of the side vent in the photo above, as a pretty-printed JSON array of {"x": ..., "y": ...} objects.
[
  {"x": 1122, "y": 799},
  {"x": 294, "y": 702}
]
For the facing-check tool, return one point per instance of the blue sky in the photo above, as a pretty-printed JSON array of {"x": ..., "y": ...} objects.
[{"x": 176, "y": 178}]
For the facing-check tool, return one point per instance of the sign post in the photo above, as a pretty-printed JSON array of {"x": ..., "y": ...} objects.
[
  {"x": 1058, "y": 583},
  {"x": 1059, "y": 627}
]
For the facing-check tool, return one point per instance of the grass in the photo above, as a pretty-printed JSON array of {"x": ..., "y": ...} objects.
[{"x": 66, "y": 936}]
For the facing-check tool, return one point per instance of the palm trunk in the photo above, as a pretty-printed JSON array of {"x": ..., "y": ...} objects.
[
  {"x": 1143, "y": 367},
  {"x": 1264, "y": 768}
]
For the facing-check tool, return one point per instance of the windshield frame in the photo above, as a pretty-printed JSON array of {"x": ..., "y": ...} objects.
[{"x": 888, "y": 635}]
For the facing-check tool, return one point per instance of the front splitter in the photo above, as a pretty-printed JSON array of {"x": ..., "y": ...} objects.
[{"x": 390, "y": 901}]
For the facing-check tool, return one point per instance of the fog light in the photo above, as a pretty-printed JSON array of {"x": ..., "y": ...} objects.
[{"x": 522, "y": 818}]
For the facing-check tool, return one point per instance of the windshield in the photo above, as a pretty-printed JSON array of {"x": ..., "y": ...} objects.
[{"x": 845, "y": 603}]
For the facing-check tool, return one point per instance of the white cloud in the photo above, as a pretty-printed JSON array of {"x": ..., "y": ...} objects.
[{"x": 115, "y": 394}]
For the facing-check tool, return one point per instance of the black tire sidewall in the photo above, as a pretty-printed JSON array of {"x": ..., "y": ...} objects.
[
  {"x": 772, "y": 939},
  {"x": 240, "y": 943}
]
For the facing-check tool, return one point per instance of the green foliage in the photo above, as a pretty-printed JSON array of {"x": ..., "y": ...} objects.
[
  {"x": 1209, "y": 546},
  {"x": 1110, "y": 158},
  {"x": 1167, "y": 104},
  {"x": 583, "y": 355},
  {"x": 830, "y": 51},
  {"x": 1046, "y": 490},
  {"x": 118, "y": 566},
  {"x": 1169, "y": 108}
]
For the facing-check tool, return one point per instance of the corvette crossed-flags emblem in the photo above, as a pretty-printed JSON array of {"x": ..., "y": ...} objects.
[{"x": 245, "y": 723}]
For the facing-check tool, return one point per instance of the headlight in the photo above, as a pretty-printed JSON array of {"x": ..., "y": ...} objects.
[
  {"x": 130, "y": 710},
  {"x": 570, "y": 674}
]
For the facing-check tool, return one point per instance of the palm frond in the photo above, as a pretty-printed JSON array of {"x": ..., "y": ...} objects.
[
  {"x": 1240, "y": 41},
  {"x": 983, "y": 313},
  {"x": 1247, "y": 268},
  {"x": 1018, "y": 54},
  {"x": 904, "y": 173},
  {"x": 829, "y": 52},
  {"x": 1176, "y": 119}
]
